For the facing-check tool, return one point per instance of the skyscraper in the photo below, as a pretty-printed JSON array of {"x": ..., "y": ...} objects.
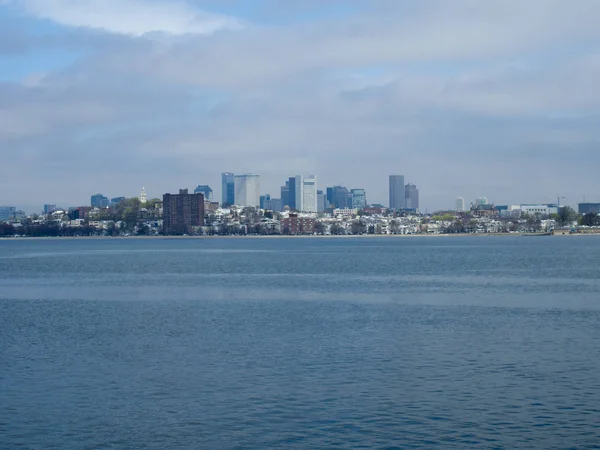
[
  {"x": 182, "y": 212},
  {"x": 99, "y": 201},
  {"x": 340, "y": 197},
  {"x": 321, "y": 201},
  {"x": 292, "y": 193},
  {"x": 285, "y": 195},
  {"x": 309, "y": 193},
  {"x": 460, "y": 204},
  {"x": 411, "y": 196},
  {"x": 358, "y": 198},
  {"x": 247, "y": 190},
  {"x": 227, "y": 189},
  {"x": 397, "y": 192},
  {"x": 204, "y": 190}
]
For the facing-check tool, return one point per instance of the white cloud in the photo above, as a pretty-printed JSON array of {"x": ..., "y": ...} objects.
[{"x": 128, "y": 17}]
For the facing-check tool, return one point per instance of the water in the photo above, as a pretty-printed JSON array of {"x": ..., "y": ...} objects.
[{"x": 300, "y": 343}]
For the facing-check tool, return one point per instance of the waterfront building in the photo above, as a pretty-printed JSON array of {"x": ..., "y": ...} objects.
[
  {"x": 358, "y": 198},
  {"x": 460, "y": 205},
  {"x": 247, "y": 190},
  {"x": 293, "y": 224},
  {"x": 586, "y": 208},
  {"x": 182, "y": 212},
  {"x": 411, "y": 197},
  {"x": 227, "y": 189},
  {"x": 205, "y": 190},
  {"x": 99, "y": 201},
  {"x": 397, "y": 192}
]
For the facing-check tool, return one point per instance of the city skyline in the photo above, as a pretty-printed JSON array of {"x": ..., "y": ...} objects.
[{"x": 113, "y": 95}]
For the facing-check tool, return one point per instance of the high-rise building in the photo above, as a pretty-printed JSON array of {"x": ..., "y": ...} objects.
[
  {"x": 339, "y": 197},
  {"x": 329, "y": 196},
  {"x": 586, "y": 208},
  {"x": 7, "y": 212},
  {"x": 99, "y": 201},
  {"x": 309, "y": 194},
  {"x": 182, "y": 212},
  {"x": 265, "y": 200},
  {"x": 205, "y": 190},
  {"x": 116, "y": 200},
  {"x": 227, "y": 189},
  {"x": 321, "y": 201},
  {"x": 358, "y": 198},
  {"x": 247, "y": 190},
  {"x": 285, "y": 195},
  {"x": 48, "y": 209},
  {"x": 397, "y": 192},
  {"x": 460, "y": 204},
  {"x": 292, "y": 194},
  {"x": 411, "y": 197}
]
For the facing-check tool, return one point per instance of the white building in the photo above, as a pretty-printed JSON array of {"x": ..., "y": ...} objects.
[
  {"x": 542, "y": 209},
  {"x": 309, "y": 194},
  {"x": 143, "y": 196},
  {"x": 460, "y": 204},
  {"x": 247, "y": 190}
]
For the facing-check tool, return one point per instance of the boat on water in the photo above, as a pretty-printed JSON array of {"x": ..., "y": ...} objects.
[{"x": 546, "y": 233}]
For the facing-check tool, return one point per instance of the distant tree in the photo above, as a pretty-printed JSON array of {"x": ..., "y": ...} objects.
[
  {"x": 394, "y": 226},
  {"x": 319, "y": 228},
  {"x": 337, "y": 229},
  {"x": 590, "y": 220},
  {"x": 566, "y": 215},
  {"x": 358, "y": 227}
]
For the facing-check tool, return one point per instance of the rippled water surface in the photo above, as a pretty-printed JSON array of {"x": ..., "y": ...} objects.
[{"x": 490, "y": 342}]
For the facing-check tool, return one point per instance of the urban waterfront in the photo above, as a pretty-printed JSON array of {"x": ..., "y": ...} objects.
[{"x": 300, "y": 343}]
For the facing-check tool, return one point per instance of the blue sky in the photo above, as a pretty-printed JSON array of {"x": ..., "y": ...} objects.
[{"x": 465, "y": 98}]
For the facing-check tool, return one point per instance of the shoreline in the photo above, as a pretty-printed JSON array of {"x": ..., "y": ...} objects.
[{"x": 345, "y": 236}]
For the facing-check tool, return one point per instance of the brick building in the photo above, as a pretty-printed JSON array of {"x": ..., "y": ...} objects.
[
  {"x": 182, "y": 212},
  {"x": 298, "y": 225}
]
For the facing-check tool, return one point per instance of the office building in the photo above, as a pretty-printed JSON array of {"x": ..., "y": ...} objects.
[
  {"x": 205, "y": 190},
  {"x": 411, "y": 197},
  {"x": 285, "y": 195},
  {"x": 539, "y": 209},
  {"x": 49, "y": 209},
  {"x": 247, "y": 190},
  {"x": 293, "y": 188},
  {"x": 586, "y": 208},
  {"x": 358, "y": 199},
  {"x": 7, "y": 212},
  {"x": 182, "y": 212},
  {"x": 460, "y": 205},
  {"x": 115, "y": 201},
  {"x": 321, "y": 201},
  {"x": 329, "y": 197},
  {"x": 309, "y": 194},
  {"x": 99, "y": 201},
  {"x": 397, "y": 192},
  {"x": 265, "y": 200},
  {"x": 339, "y": 197},
  {"x": 227, "y": 189}
]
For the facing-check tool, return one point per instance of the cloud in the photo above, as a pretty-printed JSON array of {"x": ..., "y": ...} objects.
[
  {"x": 465, "y": 98},
  {"x": 128, "y": 17}
]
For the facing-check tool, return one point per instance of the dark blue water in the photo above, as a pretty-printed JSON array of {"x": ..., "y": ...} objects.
[{"x": 300, "y": 343}]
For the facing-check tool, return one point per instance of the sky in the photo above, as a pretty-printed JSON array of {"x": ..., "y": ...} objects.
[{"x": 464, "y": 98}]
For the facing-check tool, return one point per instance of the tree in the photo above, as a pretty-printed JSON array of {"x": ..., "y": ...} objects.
[
  {"x": 319, "y": 228},
  {"x": 566, "y": 216},
  {"x": 590, "y": 220},
  {"x": 337, "y": 229},
  {"x": 358, "y": 227}
]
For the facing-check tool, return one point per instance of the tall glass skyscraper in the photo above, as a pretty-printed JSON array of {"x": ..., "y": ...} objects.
[
  {"x": 411, "y": 196},
  {"x": 397, "y": 194},
  {"x": 227, "y": 189},
  {"x": 309, "y": 193},
  {"x": 247, "y": 190},
  {"x": 359, "y": 198}
]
